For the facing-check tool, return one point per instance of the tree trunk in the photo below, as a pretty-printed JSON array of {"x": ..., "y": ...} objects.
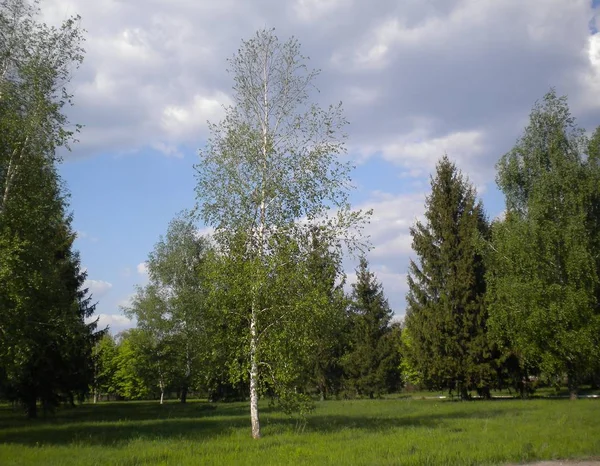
[
  {"x": 486, "y": 393},
  {"x": 184, "y": 392},
  {"x": 31, "y": 408},
  {"x": 572, "y": 384},
  {"x": 162, "y": 391},
  {"x": 254, "y": 378},
  {"x": 95, "y": 396}
]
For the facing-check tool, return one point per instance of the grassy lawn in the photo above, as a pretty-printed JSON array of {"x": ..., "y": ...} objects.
[{"x": 364, "y": 432}]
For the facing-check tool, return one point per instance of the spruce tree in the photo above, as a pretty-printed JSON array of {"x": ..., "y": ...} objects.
[
  {"x": 371, "y": 365},
  {"x": 446, "y": 315}
]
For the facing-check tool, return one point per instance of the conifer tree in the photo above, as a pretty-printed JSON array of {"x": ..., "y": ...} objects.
[
  {"x": 446, "y": 316},
  {"x": 45, "y": 342},
  {"x": 371, "y": 365}
]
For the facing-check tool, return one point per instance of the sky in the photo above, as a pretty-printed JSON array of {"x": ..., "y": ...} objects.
[{"x": 417, "y": 78}]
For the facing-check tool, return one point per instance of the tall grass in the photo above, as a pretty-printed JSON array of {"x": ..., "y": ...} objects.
[{"x": 362, "y": 432}]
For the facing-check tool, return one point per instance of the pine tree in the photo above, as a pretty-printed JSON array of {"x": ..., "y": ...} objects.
[
  {"x": 371, "y": 365},
  {"x": 446, "y": 316}
]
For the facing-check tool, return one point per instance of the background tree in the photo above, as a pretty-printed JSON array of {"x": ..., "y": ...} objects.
[
  {"x": 172, "y": 306},
  {"x": 36, "y": 64},
  {"x": 271, "y": 162},
  {"x": 544, "y": 291},
  {"x": 371, "y": 364},
  {"x": 104, "y": 360},
  {"x": 326, "y": 275},
  {"x": 446, "y": 316},
  {"x": 45, "y": 344}
]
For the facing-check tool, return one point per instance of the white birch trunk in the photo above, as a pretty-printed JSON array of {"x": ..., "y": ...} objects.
[
  {"x": 254, "y": 417},
  {"x": 254, "y": 376}
]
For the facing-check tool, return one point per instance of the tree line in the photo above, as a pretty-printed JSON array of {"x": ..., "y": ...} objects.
[
  {"x": 499, "y": 304},
  {"x": 258, "y": 308},
  {"x": 45, "y": 343}
]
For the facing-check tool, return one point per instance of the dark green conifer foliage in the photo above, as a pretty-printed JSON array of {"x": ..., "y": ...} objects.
[
  {"x": 372, "y": 363},
  {"x": 446, "y": 315}
]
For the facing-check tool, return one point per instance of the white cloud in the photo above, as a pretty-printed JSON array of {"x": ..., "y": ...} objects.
[
  {"x": 116, "y": 322},
  {"x": 389, "y": 226},
  {"x": 311, "y": 10},
  {"x": 182, "y": 121},
  {"x": 142, "y": 268},
  {"x": 155, "y": 71},
  {"x": 590, "y": 77},
  {"x": 97, "y": 288},
  {"x": 126, "y": 302},
  {"x": 417, "y": 152},
  {"x": 472, "y": 24},
  {"x": 393, "y": 215}
]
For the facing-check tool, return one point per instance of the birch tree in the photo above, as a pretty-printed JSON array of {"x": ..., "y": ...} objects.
[
  {"x": 171, "y": 308},
  {"x": 36, "y": 65},
  {"x": 270, "y": 171},
  {"x": 545, "y": 285}
]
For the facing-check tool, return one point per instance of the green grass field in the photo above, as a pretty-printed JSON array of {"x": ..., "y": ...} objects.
[{"x": 362, "y": 432}]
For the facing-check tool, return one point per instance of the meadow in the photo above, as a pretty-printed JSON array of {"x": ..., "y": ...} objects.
[{"x": 399, "y": 430}]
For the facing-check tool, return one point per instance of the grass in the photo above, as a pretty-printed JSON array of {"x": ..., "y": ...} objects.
[{"x": 362, "y": 432}]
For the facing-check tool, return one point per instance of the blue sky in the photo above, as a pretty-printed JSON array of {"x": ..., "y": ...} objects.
[{"x": 417, "y": 79}]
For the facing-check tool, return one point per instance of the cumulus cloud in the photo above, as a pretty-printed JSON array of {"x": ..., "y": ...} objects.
[
  {"x": 115, "y": 322},
  {"x": 417, "y": 79},
  {"x": 97, "y": 288}
]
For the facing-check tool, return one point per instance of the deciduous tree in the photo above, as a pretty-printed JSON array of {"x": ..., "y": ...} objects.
[{"x": 271, "y": 172}]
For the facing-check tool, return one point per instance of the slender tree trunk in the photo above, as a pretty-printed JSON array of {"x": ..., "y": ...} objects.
[
  {"x": 254, "y": 378},
  {"x": 254, "y": 418},
  {"x": 95, "y": 396},
  {"x": 10, "y": 173},
  {"x": 162, "y": 391},
  {"x": 31, "y": 408},
  {"x": 188, "y": 373},
  {"x": 572, "y": 384},
  {"x": 184, "y": 392}
]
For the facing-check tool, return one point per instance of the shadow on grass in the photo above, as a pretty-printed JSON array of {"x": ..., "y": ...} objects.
[{"x": 112, "y": 424}]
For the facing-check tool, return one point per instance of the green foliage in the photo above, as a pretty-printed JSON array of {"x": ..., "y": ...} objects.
[
  {"x": 105, "y": 365},
  {"x": 544, "y": 285},
  {"x": 446, "y": 316},
  {"x": 267, "y": 178},
  {"x": 131, "y": 377},
  {"x": 171, "y": 309},
  {"x": 45, "y": 344},
  {"x": 371, "y": 364}
]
